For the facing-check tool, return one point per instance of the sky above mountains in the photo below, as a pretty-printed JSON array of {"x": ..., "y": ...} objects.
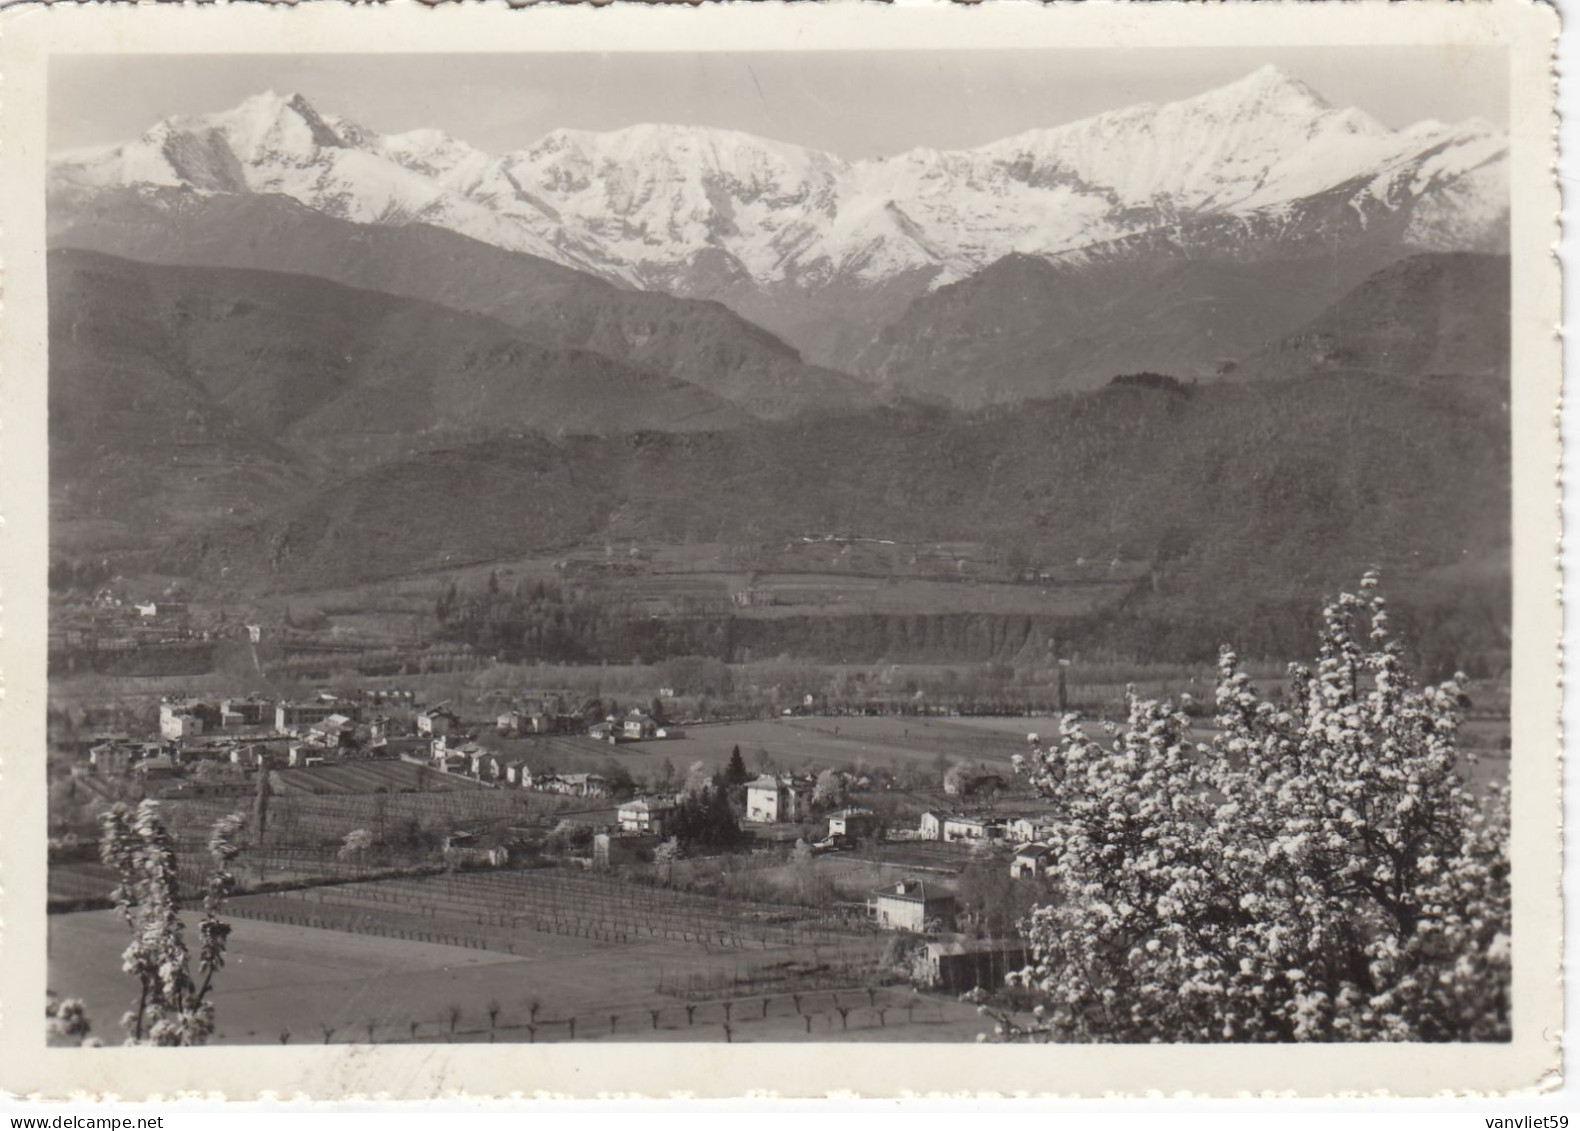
[{"x": 854, "y": 104}]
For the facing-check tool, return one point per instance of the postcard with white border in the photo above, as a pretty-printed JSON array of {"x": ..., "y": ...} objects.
[{"x": 782, "y": 548}]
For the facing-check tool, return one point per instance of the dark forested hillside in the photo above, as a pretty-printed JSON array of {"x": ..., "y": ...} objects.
[
  {"x": 1026, "y": 327},
  {"x": 698, "y": 342},
  {"x": 1240, "y": 500}
]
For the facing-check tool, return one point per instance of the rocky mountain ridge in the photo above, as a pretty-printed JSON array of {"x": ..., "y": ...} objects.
[{"x": 822, "y": 250}]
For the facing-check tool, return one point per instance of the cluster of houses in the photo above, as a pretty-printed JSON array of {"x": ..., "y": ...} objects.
[
  {"x": 636, "y": 726},
  {"x": 1033, "y": 856},
  {"x": 378, "y": 722},
  {"x": 460, "y": 755}
]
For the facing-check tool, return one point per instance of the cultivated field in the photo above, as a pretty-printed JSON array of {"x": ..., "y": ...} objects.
[{"x": 562, "y": 957}]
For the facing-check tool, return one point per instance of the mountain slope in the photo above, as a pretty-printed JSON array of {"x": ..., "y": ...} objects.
[
  {"x": 178, "y": 394},
  {"x": 1232, "y": 481},
  {"x": 814, "y": 246},
  {"x": 1429, "y": 315},
  {"x": 548, "y": 304},
  {"x": 299, "y": 360},
  {"x": 1024, "y": 327}
]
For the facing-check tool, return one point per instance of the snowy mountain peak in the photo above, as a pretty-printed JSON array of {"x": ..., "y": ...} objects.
[
  {"x": 271, "y": 126},
  {"x": 1272, "y": 86},
  {"x": 715, "y": 212}
]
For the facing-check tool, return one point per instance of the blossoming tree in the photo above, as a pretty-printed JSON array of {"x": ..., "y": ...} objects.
[
  {"x": 1318, "y": 871},
  {"x": 172, "y": 1007}
]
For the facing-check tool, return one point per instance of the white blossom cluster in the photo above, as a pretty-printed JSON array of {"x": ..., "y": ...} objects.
[
  {"x": 171, "y": 1008},
  {"x": 1318, "y": 871}
]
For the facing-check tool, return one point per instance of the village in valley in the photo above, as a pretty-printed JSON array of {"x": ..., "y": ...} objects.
[
  {"x": 673, "y": 583},
  {"x": 548, "y": 843}
]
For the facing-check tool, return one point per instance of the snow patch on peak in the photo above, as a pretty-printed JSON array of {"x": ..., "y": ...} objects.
[
  {"x": 647, "y": 203},
  {"x": 1271, "y": 85}
]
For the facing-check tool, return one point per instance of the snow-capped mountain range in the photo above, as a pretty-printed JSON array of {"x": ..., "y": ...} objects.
[{"x": 703, "y": 212}]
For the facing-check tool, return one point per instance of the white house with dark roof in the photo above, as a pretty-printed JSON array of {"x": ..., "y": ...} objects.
[
  {"x": 911, "y": 905},
  {"x": 778, "y": 799}
]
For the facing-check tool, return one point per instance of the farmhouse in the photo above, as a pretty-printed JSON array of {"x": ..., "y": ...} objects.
[
  {"x": 646, "y": 815},
  {"x": 1024, "y": 830},
  {"x": 293, "y": 716},
  {"x": 1030, "y": 861},
  {"x": 932, "y": 826},
  {"x": 331, "y": 730},
  {"x": 177, "y": 725},
  {"x": 857, "y": 824},
  {"x": 116, "y": 757},
  {"x": 961, "y": 827},
  {"x": 772, "y": 800},
  {"x": 575, "y": 785},
  {"x": 910, "y": 905},
  {"x": 528, "y": 718},
  {"x": 250, "y": 754},
  {"x": 158, "y": 766},
  {"x": 248, "y": 712},
  {"x": 438, "y": 720},
  {"x": 638, "y": 725},
  {"x": 300, "y": 754}
]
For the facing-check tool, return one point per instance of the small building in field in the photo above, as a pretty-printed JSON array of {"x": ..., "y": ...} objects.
[
  {"x": 523, "y": 720},
  {"x": 931, "y": 826},
  {"x": 613, "y": 849},
  {"x": 248, "y": 712},
  {"x": 250, "y": 755},
  {"x": 963, "y": 827},
  {"x": 112, "y": 757},
  {"x": 772, "y": 800},
  {"x": 911, "y": 905},
  {"x": 959, "y": 965},
  {"x": 646, "y": 815},
  {"x": 1025, "y": 830},
  {"x": 574, "y": 785},
  {"x": 302, "y": 754},
  {"x": 638, "y": 725},
  {"x": 296, "y": 716},
  {"x": 179, "y": 725},
  {"x": 1031, "y": 860},
  {"x": 332, "y": 730},
  {"x": 158, "y": 766},
  {"x": 439, "y": 720},
  {"x": 518, "y": 774},
  {"x": 187, "y": 718},
  {"x": 857, "y": 824}
]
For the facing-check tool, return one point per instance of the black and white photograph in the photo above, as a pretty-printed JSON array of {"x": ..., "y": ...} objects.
[{"x": 937, "y": 546}]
